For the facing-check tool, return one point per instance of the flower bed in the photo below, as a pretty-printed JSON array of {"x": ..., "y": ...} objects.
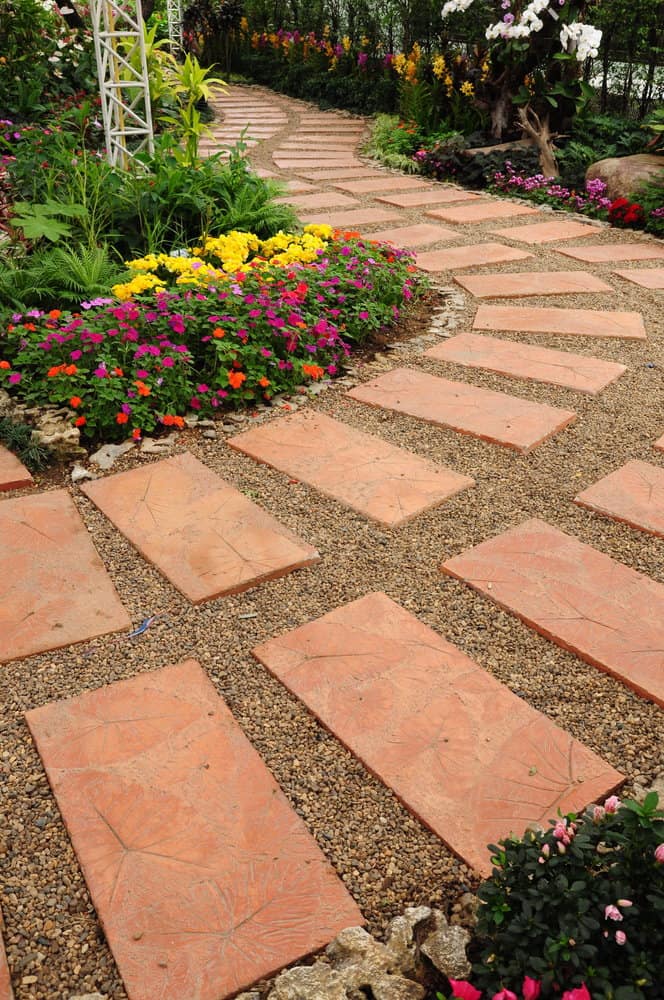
[{"x": 238, "y": 321}]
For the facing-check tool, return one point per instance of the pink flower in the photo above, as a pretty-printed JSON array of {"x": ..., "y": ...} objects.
[
  {"x": 612, "y": 913},
  {"x": 531, "y": 988},
  {"x": 505, "y": 995},
  {"x": 599, "y": 812},
  {"x": 612, "y": 804},
  {"x": 14, "y": 378},
  {"x": 463, "y": 990},
  {"x": 659, "y": 854},
  {"x": 580, "y": 993},
  {"x": 621, "y": 937}
]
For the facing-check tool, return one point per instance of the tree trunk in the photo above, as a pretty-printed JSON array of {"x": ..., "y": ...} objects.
[
  {"x": 538, "y": 130},
  {"x": 501, "y": 109}
]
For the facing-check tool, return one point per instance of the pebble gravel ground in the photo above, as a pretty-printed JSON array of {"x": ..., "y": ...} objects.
[{"x": 387, "y": 860}]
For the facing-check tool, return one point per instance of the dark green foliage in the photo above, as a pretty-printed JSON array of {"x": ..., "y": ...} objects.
[
  {"x": 59, "y": 277},
  {"x": 18, "y": 438},
  {"x": 596, "y": 137},
  {"x": 451, "y": 160}
]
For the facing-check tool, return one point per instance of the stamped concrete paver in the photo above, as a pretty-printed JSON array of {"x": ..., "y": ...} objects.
[
  {"x": 481, "y": 211},
  {"x": 204, "y": 878},
  {"x": 339, "y": 173},
  {"x": 386, "y": 483},
  {"x": 393, "y": 182},
  {"x": 525, "y": 361},
  {"x": 419, "y": 235},
  {"x": 55, "y": 590},
  {"x": 561, "y": 322},
  {"x": 205, "y": 536},
  {"x": 469, "y": 256},
  {"x": 303, "y": 164},
  {"x": 13, "y": 474},
  {"x": 433, "y": 196},
  {"x": 526, "y": 283},
  {"x": 610, "y": 253},
  {"x": 472, "y": 760},
  {"x": 491, "y": 416},
  {"x": 352, "y": 218},
  {"x": 634, "y": 493},
  {"x": 651, "y": 277},
  {"x": 321, "y": 199},
  {"x": 605, "y": 612},
  {"x": 546, "y": 232}
]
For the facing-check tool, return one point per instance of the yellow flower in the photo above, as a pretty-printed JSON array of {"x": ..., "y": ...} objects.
[
  {"x": 439, "y": 67},
  {"x": 345, "y": 41},
  {"x": 364, "y": 41},
  {"x": 244, "y": 25},
  {"x": 467, "y": 89},
  {"x": 333, "y": 64},
  {"x": 399, "y": 63}
]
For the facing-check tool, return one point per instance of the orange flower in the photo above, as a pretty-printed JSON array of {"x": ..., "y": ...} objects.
[
  {"x": 118, "y": 371},
  {"x": 29, "y": 326},
  {"x": 314, "y": 371},
  {"x": 55, "y": 370},
  {"x": 218, "y": 332},
  {"x": 5, "y": 364},
  {"x": 178, "y": 421},
  {"x": 264, "y": 382},
  {"x": 121, "y": 418},
  {"x": 55, "y": 314},
  {"x": 236, "y": 379},
  {"x": 143, "y": 389},
  {"x": 169, "y": 420},
  {"x": 80, "y": 421},
  {"x": 351, "y": 236},
  {"x": 136, "y": 433},
  {"x": 70, "y": 369},
  {"x": 75, "y": 401},
  {"x": 10, "y": 328}
]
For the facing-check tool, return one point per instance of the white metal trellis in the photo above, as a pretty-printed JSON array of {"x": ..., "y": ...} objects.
[
  {"x": 124, "y": 85},
  {"x": 174, "y": 19}
]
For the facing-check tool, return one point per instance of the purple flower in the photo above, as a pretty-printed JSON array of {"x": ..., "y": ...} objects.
[{"x": 14, "y": 378}]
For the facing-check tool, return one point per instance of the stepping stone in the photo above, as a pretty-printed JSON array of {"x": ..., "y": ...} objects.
[
  {"x": 507, "y": 286},
  {"x": 324, "y": 199},
  {"x": 299, "y": 164},
  {"x": 6, "y": 992},
  {"x": 469, "y": 256},
  {"x": 204, "y": 878},
  {"x": 609, "y": 253},
  {"x": 56, "y": 590},
  {"x": 605, "y": 612},
  {"x": 415, "y": 236},
  {"x": 652, "y": 277},
  {"x": 659, "y": 443},
  {"x": 305, "y": 156},
  {"x": 470, "y": 759},
  {"x": 383, "y": 183},
  {"x": 13, "y": 474},
  {"x": 323, "y": 147},
  {"x": 300, "y": 187},
  {"x": 434, "y": 196},
  {"x": 561, "y": 322},
  {"x": 339, "y": 173},
  {"x": 633, "y": 493},
  {"x": 200, "y": 532},
  {"x": 481, "y": 211},
  {"x": 491, "y": 416},
  {"x": 381, "y": 481},
  {"x": 573, "y": 371},
  {"x": 546, "y": 232},
  {"x": 351, "y": 219}
]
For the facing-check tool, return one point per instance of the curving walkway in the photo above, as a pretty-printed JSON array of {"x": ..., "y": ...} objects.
[{"x": 427, "y": 601}]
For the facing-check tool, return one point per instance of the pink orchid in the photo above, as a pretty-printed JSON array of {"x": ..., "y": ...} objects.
[
  {"x": 463, "y": 990},
  {"x": 580, "y": 993},
  {"x": 531, "y": 988}
]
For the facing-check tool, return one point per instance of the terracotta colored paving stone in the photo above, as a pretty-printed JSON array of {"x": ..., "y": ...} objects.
[
  {"x": 13, "y": 474},
  {"x": 609, "y": 253},
  {"x": 586, "y": 602},
  {"x": 634, "y": 493},
  {"x": 339, "y": 173},
  {"x": 386, "y": 483},
  {"x": 472, "y": 760},
  {"x": 475, "y": 255},
  {"x": 205, "y": 536},
  {"x": 55, "y": 590},
  {"x": 561, "y": 322},
  {"x": 299, "y": 165},
  {"x": 491, "y": 416},
  {"x": 573, "y": 371},
  {"x": 546, "y": 232},
  {"x": 381, "y": 183},
  {"x": 434, "y": 196},
  {"x": 518, "y": 285},
  {"x": 323, "y": 199},
  {"x": 301, "y": 187},
  {"x": 307, "y": 155},
  {"x": 659, "y": 443},
  {"x": 480, "y": 211},
  {"x": 352, "y": 218},
  {"x": 652, "y": 277},
  {"x": 6, "y": 992},
  {"x": 324, "y": 147},
  {"x": 415, "y": 236},
  {"x": 204, "y": 878}
]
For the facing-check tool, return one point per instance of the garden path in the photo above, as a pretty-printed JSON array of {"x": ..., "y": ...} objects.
[{"x": 469, "y": 564}]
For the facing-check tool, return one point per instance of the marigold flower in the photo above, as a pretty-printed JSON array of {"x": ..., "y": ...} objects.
[
  {"x": 5, "y": 365},
  {"x": 235, "y": 379},
  {"x": 121, "y": 418},
  {"x": 75, "y": 401},
  {"x": 80, "y": 421}
]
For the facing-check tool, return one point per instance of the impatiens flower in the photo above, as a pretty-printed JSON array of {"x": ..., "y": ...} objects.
[
  {"x": 580, "y": 993},
  {"x": 504, "y": 995},
  {"x": 531, "y": 988},
  {"x": 464, "y": 990},
  {"x": 621, "y": 937},
  {"x": 612, "y": 804},
  {"x": 136, "y": 433},
  {"x": 235, "y": 379},
  {"x": 5, "y": 365},
  {"x": 121, "y": 418},
  {"x": 75, "y": 401},
  {"x": 14, "y": 378},
  {"x": 80, "y": 421},
  {"x": 659, "y": 854}
]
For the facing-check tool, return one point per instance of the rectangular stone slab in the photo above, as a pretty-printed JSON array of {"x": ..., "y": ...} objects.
[
  {"x": 54, "y": 589},
  {"x": 480, "y": 211},
  {"x": 415, "y": 236},
  {"x": 298, "y": 165},
  {"x": 609, "y": 253},
  {"x": 390, "y": 183},
  {"x": 306, "y": 156},
  {"x": 605, "y": 612},
  {"x": 519, "y": 284},
  {"x": 340, "y": 173},
  {"x": 205, "y": 536},
  {"x": 472, "y": 760},
  {"x": 203, "y": 877},
  {"x": 561, "y": 322},
  {"x": 13, "y": 474},
  {"x": 351, "y": 218},
  {"x": 386, "y": 483},
  {"x": 491, "y": 416},
  {"x": 469, "y": 256},
  {"x": 651, "y": 277},
  {"x": 507, "y": 357},
  {"x": 546, "y": 232},
  {"x": 321, "y": 199},
  {"x": 634, "y": 493},
  {"x": 434, "y": 196}
]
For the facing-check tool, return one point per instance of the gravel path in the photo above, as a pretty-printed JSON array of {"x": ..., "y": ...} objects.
[{"x": 385, "y": 857}]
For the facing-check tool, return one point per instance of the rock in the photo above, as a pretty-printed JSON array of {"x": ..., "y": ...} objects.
[
  {"x": 54, "y": 429},
  {"x": 465, "y": 910},
  {"x": 108, "y": 454},
  {"x": 158, "y": 446},
  {"x": 253, "y": 995},
  {"x": 624, "y": 175},
  {"x": 210, "y": 434},
  {"x": 365, "y": 964},
  {"x": 191, "y": 420},
  {"x": 315, "y": 982},
  {"x": 446, "y": 949},
  {"x": 79, "y": 473},
  {"x": 207, "y": 423},
  {"x": 401, "y": 936},
  {"x": 88, "y": 996}
]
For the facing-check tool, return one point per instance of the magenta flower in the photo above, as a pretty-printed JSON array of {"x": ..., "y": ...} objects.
[
  {"x": 580, "y": 993},
  {"x": 194, "y": 403},
  {"x": 14, "y": 378},
  {"x": 612, "y": 913},
  {"x": 202, "y": 388},
  {"x": 505, "y": 995},
  {"x": 659, "y": 854},
  {"x": 612, "y": 804},
  {"x": 531, "y": 988},
  {"x": 463, "y": 990},
  {"x": 168, "y": 362}
]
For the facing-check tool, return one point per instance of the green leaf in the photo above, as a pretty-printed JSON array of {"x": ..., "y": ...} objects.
[{"x": 41, "y": 227}]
